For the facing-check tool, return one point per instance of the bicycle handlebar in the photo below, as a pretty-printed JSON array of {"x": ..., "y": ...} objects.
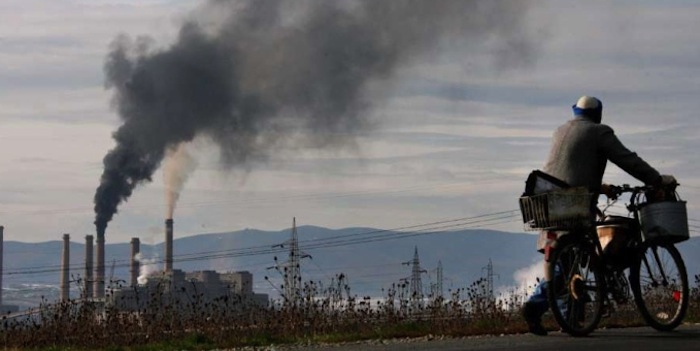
[
  {"x": 647, "y": 192},
  {"x": 614, "y": 191}
]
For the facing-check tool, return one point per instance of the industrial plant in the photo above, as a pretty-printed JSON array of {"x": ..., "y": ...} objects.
[
  {"x": 174, "y": 286},
  {"x": 177, "y": 288},
  {"x": 169, "y": 286}
]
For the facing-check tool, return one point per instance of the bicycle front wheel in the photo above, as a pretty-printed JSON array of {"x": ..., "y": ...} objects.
[
  {"x": 660, "y": 286},
  {"x": 575, "y": 288}
]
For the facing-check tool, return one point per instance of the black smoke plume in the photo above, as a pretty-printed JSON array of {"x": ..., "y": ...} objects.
[{"x": 258, "y": 75}]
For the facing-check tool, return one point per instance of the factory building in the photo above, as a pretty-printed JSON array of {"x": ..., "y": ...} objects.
[
  {"x": 170, "y": 287},
  {"x": 201, "y": 288}
]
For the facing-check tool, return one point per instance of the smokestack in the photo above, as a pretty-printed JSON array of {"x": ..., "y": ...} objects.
[
  {"x": 135, "y": 250},
  {"x": 65, "y": 269},
  {"x": 169, "y": 245},
  {"x": 88, "y": 267},
  {"x": 100, "y": 265},
  {"x": 2, "y": 243},
  {"x": 177, "y": 167}
]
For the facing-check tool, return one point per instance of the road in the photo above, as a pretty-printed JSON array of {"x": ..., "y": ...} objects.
[{"x": 686, "y": 337}]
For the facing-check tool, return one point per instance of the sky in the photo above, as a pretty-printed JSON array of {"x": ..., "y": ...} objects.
[{"x": 455, "y": 133}]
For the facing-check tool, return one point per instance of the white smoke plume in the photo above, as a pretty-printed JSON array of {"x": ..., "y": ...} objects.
[
  {"x": 147, "y": 267},
  {"x": 525, "y": 281},
  {"x": 526, "y": 278},
  {"x": 177, "y": 168}
]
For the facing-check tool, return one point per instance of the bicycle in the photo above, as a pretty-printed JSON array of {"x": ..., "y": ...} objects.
[{"x": 586, "y": 276}]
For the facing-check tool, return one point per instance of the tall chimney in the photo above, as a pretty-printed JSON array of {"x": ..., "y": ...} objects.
[
  {"x": 100, "y": 266},
  {"x": 135, "y": 250},
  {"x": 88, "y": 267},
  {"x": 169, "y": 245},
  {"x": 65, "y": 269},
  {"x": 2, "y": 240}
]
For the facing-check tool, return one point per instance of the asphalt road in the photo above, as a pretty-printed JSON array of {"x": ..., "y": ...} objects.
[{"x": 686, "y": 337}]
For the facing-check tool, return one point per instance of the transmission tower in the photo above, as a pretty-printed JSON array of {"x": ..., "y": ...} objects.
[
  {"x": 416, "y": 286},
  {"x": 291, "y": 270},
  {"x": 489, "y": 279},
  {"x": 439, "y": 291}
]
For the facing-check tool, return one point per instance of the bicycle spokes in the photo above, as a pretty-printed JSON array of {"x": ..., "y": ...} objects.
[
  {"x": 660, "y": 286},
  {"x": 576, "y": 296}
]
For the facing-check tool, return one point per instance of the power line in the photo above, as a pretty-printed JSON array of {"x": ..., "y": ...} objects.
[
  {"x": 479, "y": 221},
  {"x": 266, "y": 249},
  {"x": 342, "y": 240}
]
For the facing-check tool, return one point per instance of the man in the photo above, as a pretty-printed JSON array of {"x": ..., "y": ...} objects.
[{"x": 580, "y": 151}]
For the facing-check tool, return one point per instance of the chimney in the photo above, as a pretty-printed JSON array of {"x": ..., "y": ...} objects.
[
  {"x": 100, "y": 266},
  {"x": 88, "y": 267},
  {"x": 65, "y": 269},
  {"x": 169, "y": 245},
  {"x": 135, "y": 250},
  {"x": 2, "y": 240}
]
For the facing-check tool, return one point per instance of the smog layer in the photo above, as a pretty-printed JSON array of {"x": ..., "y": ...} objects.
[{"x": 257, "y": 76}]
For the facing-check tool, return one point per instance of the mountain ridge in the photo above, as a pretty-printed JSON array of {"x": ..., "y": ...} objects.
[{"x": 372, "y": 259}]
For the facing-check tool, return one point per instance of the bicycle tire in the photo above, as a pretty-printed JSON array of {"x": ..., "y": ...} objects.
[
  {"x": 660, "y": 286},
  {"x": 575, "y": 289}
]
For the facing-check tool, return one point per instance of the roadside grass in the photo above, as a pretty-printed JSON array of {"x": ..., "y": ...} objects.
[{"x": 317, "y": 317}]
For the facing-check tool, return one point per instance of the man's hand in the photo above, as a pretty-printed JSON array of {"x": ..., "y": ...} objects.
[
  {"x": 664, "y": 189},
  {"x": 609, "y": 190}
]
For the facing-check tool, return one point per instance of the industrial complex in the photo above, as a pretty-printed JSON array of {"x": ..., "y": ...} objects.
[{"x": 169, "y": 286}]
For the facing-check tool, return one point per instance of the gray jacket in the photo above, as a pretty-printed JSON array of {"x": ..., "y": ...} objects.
[{"x": 581, "y": 149}]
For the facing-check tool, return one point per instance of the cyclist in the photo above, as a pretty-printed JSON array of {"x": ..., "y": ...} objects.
[{"x": 579, "y": 153}]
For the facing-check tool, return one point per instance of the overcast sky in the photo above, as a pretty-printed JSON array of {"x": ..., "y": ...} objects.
[{"x": 456, "y": 136}]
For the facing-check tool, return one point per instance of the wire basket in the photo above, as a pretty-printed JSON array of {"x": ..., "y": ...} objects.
[
  {"x": 557, "y": 209},
  {"x": 664, "y": 221}
]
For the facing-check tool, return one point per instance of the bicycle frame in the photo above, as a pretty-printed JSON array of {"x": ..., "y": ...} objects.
[{"x": 595, "y": 272}]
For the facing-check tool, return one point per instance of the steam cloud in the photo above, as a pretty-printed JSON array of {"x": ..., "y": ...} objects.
[
  {"x": 526, "y": 279},
  {"x": 177, "y": 168},
  {"x": 147, "y": 267},
  {"x": 254, "y": 76}
]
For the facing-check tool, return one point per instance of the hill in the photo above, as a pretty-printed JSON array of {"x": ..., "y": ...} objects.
[{"x": 372, "y": 259}]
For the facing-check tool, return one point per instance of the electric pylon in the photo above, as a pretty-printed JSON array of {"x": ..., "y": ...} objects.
[
  {"x": 489, "y": 279},
  {"x": 439, "y": 291},
  {"x": 291, "y": 270},
  {"x": 416, "y": 286}
]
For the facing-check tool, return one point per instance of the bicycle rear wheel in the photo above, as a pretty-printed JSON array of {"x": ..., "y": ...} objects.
[
  {"x": 660, "y": 286},
  {"x": 575, "y": 288}
]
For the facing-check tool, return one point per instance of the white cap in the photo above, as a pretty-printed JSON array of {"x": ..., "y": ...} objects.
[{"x": 587, "y": 102}]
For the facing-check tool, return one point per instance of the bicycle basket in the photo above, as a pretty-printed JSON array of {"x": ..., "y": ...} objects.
[
  {"x": 556, "y": 209},
  {"x": 665, "y": 221}
]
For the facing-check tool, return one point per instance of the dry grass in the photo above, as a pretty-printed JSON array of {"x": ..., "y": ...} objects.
[{"x": 316, "y": 316}]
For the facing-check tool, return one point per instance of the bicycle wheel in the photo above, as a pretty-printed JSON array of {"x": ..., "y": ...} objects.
[
  {"x": 660, "y": 286},
  {"x": 575, "y": 288}
]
